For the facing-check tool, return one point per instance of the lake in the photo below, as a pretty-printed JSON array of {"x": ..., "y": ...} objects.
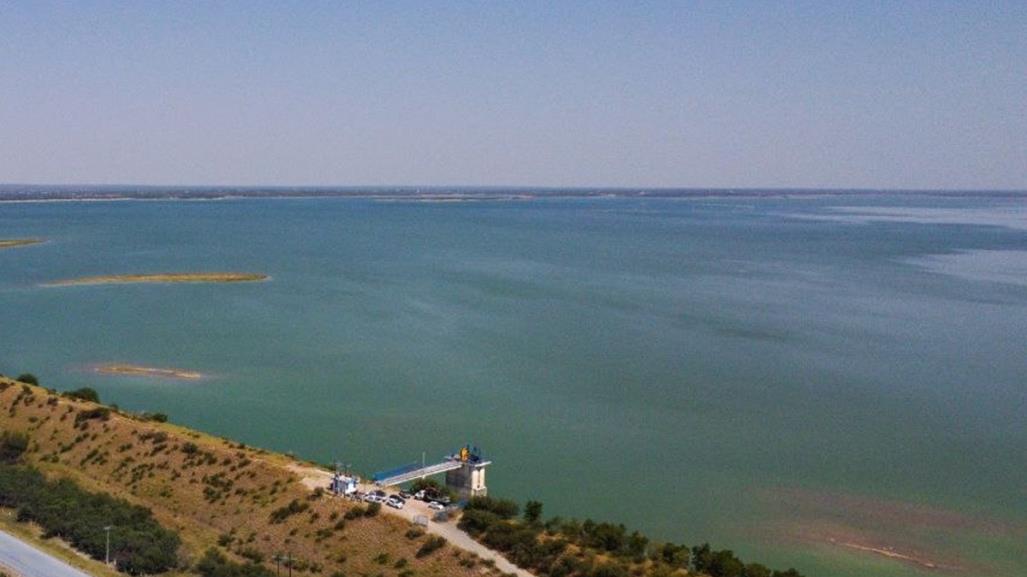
[{"x": 837, "y": 383}]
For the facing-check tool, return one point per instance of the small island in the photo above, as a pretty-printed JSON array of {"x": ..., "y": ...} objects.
[
  {"x": 16, "y": 242},
  {"x": 176, "y": 277},
  {"x": 138, "y": 371}
]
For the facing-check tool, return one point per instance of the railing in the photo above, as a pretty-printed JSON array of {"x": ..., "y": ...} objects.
[{"x": 399, "y": 476}]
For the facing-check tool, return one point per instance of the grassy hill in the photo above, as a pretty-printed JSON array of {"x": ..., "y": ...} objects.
[{"x": 216, "y": 493}]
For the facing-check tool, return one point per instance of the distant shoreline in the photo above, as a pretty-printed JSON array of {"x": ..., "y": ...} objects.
[
  {"x": 18, "y": 242},
  {"x": 200, "y": 277},
  {"x": 140, "y": 371},
  {"x": 29, "y": 193}
]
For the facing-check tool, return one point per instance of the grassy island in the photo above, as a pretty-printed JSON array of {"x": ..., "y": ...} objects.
[
  {"x": 16, "y": 242},
  {"x": 138, "y": 371},
  {"x": 173, "y": 277}
]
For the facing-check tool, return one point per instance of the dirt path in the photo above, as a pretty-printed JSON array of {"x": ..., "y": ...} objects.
[{"x": 313, "y": 478}]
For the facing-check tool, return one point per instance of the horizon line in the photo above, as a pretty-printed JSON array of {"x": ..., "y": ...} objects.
[{"x": 510, "y": 187}]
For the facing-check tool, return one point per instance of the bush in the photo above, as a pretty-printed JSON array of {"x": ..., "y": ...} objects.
[
  {"x": 102, "y": 413},
  {"x": 84, "y": 394},
  {"x": 431, "y": 545},
  {"x": 214, "y": 564},
  {"x": 12, "y": 445},
  {"x": 505, "y": 508},
  {"x": 252, "y": 554},
  {"x": 476, "y": 521},
  {"x": 294, "y": 507},
  {"x": 372, "y": 509},
  {"x": 28, "y": 378}
]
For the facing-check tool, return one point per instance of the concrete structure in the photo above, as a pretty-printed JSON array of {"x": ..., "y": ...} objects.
[
  {"x": 469, "y": 479},
  {"x": 464, "y": 469}
]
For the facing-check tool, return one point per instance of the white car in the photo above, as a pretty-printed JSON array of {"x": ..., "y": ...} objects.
[
  {"x": 395, "y": 502},
  {"x": 436, "y": 506}
]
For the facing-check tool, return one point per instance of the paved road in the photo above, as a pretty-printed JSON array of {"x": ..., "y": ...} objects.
[{"x": 28, "y": 561}]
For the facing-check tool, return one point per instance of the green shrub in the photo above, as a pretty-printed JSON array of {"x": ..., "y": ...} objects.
[
  {"x": 214, "y": 564},
  {"x": 252, "y": 554},
  {"x": 27, "y": 378},
  {"x": 102, "y": 413},
  {"x": 432, "y": 544},
  {"x": 84, "y": 394},
  {"x": 294, "y": 507},
  {"x": 12, "y": 445},
  {"x": 505, "y": 508}
]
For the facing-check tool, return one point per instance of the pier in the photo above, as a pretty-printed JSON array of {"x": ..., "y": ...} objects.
[{"x": 464, "y": 469}]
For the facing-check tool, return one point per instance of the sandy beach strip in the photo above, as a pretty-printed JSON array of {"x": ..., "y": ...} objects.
[
  {"x": 140, "y": 371},
  {"x": 16, "y": 242},
  {"x": 183, "y": 277}
]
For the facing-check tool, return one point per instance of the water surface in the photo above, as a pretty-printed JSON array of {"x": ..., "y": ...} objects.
[{"x": 782, "y": 376}]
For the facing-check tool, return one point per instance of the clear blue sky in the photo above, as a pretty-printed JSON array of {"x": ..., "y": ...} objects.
[{"x": 721, "y": 94}]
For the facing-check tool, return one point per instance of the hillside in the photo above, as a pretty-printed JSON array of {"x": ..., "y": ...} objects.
[{"x": 214, "y": 492}]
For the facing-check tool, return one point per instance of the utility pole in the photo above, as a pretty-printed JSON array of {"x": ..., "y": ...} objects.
[
  {"x": 107, "y": 555},
  {"x": 278, "y": 563}
]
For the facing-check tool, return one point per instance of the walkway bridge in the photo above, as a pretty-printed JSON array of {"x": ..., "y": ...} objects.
[
  {"x": 413, "y": 471},
  {"x": 465, "y": 472}
]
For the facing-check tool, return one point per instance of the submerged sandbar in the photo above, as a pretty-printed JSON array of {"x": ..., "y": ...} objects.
[
  {"x": 139, "y": 371},
  {"x": 175, "y": 277},
  {"x": 16, "y": 242}
]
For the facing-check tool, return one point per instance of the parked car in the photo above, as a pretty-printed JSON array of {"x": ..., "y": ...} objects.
[
  {"x": 405, "y": 494},
  {"x": 420, "y": 495},
  {"x": 395, "y": 502},
  {"x": 436, "y": 506}
]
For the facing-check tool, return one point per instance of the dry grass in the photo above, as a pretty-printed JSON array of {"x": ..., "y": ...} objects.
[{"x": 211, "y": 489}]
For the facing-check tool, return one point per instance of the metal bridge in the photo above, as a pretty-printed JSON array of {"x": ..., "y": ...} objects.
[
  {"x": 414, "y": 471},
  {"x": 467, "y": 457}
]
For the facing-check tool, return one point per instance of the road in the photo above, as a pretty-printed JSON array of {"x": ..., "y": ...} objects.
[
  {"x": 314, "y": 478},
  {"x": 27, "y": 561}
]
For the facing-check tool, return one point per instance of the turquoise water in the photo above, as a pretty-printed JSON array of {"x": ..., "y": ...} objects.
[{"x": 767, "y": 374}]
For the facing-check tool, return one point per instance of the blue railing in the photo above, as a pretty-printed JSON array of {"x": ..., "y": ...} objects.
[{"x": 393, "y": 472}]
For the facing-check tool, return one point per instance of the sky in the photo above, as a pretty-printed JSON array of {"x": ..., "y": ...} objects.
[{"x": 737, "y": 94}]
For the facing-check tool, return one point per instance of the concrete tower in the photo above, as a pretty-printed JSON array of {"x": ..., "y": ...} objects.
[{"x": 469, "y": 480}]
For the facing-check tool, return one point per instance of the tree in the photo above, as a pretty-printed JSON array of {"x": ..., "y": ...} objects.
[
  {"x": 533, "y": 511},
  {"x": 702, "y": 557},
  {"x": 674, "y": 555},
  {"x": 725, "y": 564},
  {"x": 756, "y": 570},
  {"x": 28, "y": 378}
]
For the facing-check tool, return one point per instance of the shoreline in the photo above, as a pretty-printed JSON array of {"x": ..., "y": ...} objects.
[{"x": 160, "y": 278}]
